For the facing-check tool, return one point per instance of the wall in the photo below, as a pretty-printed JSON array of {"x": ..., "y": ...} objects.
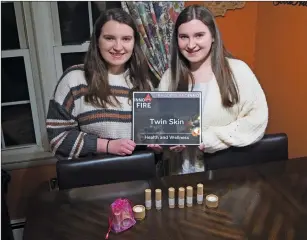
[
  {"x": 238, "y": 28},
  {"x": 281, "y": 66}
]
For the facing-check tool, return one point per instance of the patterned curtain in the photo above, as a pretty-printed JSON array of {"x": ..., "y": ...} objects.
[{"x": 155, "y": 22}]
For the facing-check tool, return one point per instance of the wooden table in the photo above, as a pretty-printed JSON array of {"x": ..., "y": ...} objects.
[{"x": 267, "y": 201}]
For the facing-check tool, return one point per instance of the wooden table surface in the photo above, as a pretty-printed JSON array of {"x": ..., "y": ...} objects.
[{"x": 267, "y": 201}]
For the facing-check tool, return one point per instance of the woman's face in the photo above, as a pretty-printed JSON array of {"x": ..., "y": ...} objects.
[
  {"x": 194, "y": 40},
  {"x": 116, "y": 43}
]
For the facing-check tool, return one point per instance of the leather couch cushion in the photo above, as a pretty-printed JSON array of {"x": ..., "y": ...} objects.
[
  {"x": 272, "y": 147},
  {"x": 105, "y": 169}
]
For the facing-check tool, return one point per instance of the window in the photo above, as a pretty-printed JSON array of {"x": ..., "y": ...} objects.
[
  {"x": 39, "y": 41},
  {"x": 19, "y": 123},
  {"x": 73, "y": 24}
]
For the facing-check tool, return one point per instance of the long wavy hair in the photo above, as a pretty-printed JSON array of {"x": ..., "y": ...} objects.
[
  {"x": 180, "y": 66},
  {"x": 96, "y": 68}
]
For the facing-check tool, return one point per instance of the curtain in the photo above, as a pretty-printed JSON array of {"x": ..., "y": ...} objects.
[{"x": 155, "y": 22}]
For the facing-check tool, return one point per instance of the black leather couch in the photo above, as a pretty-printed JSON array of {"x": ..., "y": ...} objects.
[
  {"x": 272, "y": 147},
  {"x": 105, "y": 169},
  {"x": 141, "y": 165}
]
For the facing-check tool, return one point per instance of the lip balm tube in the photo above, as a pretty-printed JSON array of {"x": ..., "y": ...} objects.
[
  {"x": 181, "y": 193},
  {"x": 158, "y": 199},
  {"x": 189, "y": 196},
  {"x": 148, "y": 199},
  {"x": 200, "y": 193},
  {"x": 171, "y": 197}
]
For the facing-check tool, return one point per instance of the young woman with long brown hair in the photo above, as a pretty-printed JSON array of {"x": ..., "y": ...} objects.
[
  {"x": 234, "y": 107},
  {"x": 91, "y": 108}
]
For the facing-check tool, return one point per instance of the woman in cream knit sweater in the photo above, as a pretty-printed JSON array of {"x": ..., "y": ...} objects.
[{"x": 235, "y": 111}]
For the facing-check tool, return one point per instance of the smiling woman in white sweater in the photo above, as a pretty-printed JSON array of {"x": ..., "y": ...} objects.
[{"x": 234, "y": 111}]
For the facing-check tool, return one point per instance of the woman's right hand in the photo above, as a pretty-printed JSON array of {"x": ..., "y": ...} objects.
[{"x": 121, "y": 147}]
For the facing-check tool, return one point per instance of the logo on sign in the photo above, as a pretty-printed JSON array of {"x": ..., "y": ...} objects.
[
  {"x": 148, "y": 98},
  {"x": 143, "y": 102}
]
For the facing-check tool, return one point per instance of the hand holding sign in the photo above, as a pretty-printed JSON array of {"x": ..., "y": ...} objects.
[{"x": 121, "y": 147}]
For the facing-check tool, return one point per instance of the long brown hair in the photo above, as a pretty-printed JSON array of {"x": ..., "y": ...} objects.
[
  {"x": 96, "y": 68},
  {"x": 180, "y": 69}
]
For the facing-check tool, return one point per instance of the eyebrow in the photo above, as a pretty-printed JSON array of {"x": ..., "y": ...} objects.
[
  {"x": 110, "y": 35},
  {"x": 193, "y": 34}
]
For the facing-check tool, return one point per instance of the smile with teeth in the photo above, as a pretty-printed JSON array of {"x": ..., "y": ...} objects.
[
  {"x": 117, "y": 54},
  {"x": 191, "y": 52}
]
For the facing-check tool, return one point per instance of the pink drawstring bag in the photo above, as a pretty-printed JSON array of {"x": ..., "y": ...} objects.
[{"x": 121, "y": 217}]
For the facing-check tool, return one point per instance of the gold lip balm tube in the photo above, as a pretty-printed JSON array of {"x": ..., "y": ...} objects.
[
  {"x": 181, "y": 193},
  {"x": 171, "y": 197},
  {"x": 200, "y": 193},
  {"x": 148, "y": 199},
  {"x": 158, "y": 199},
  {"x": 189, "y": 196}
]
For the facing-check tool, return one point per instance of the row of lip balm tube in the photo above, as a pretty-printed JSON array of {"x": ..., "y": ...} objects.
[{"x": 211, "y": 199}]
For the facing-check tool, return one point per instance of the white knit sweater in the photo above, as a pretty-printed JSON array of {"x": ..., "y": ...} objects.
[{"x": 239, "y": 126}]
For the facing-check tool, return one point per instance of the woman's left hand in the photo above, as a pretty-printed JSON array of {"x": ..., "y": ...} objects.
[{"x": 177, "y": 148}]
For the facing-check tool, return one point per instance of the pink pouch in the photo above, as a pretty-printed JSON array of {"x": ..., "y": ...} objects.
[{"x": 121, "y": 217}]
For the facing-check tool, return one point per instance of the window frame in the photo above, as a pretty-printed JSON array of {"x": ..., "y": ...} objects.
[
  {"x": 58, "y": 47},
  {"x": 44, "y": 57},
  {"x": 23, "y": 52},
  {"x": 32, "y": 100},
  {"x": 24, "y": 153},
  {"x": 66, "y": 49}
]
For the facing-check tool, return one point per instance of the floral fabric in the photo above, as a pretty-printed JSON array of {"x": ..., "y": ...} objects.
[{"x": 155, "y": 21}]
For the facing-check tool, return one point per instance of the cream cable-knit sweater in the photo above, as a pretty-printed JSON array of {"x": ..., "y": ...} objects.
[{"x": 239, "y": 126}]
